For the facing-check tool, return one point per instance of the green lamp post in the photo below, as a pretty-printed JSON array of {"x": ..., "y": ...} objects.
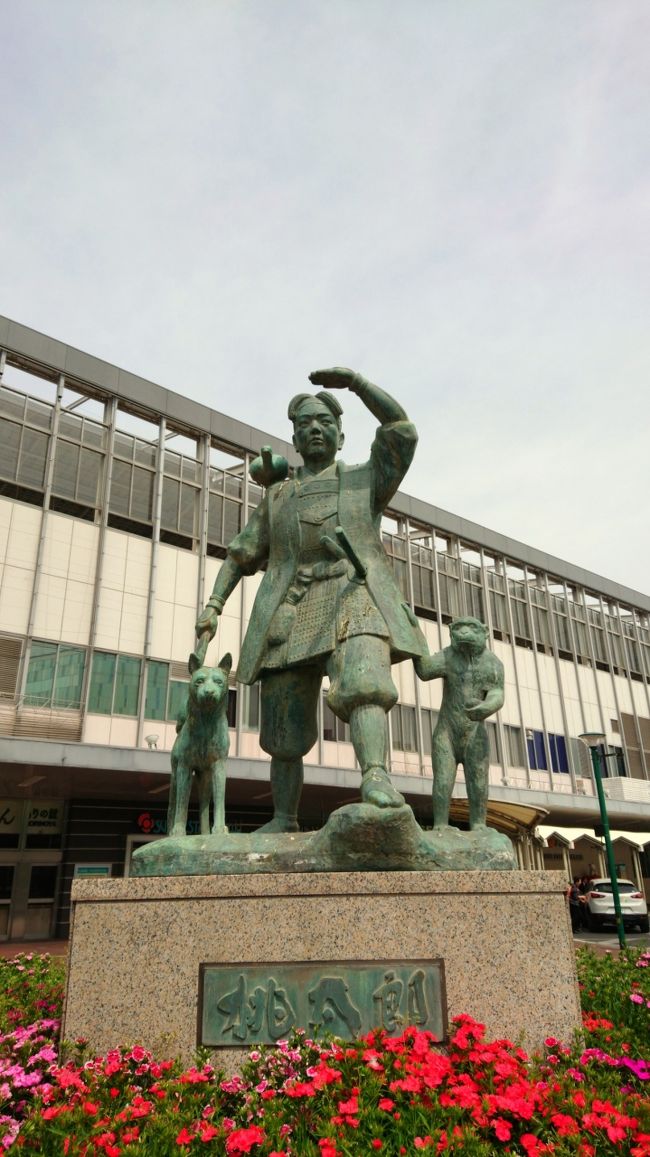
[{"x": 593, "y": 740}]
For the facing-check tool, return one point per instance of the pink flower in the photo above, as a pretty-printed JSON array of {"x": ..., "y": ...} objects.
[{"x": 636, "y": 998}]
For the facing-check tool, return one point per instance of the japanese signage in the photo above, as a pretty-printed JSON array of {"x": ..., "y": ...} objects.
[
  {"x": 44, "y": 818},
  {"x": 11, "y": 814},
  {"x": 244, "y": 1003}
]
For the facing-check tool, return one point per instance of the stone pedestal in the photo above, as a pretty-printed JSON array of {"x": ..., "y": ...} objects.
[{"x": 137, "y": 946}]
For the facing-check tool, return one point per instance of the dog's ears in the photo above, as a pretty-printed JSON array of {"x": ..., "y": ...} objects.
[
  {"x": 193, "y": 663},
  {"x": 226, "y": 662}
]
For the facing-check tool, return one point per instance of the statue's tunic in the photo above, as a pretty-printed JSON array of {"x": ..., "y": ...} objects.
[{"x": 309, "y": 600}]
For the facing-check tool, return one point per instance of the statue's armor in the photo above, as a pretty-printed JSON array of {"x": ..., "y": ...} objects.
[
  {"x": 324, "y": 604},
  {"x": 309, "y": 600}
]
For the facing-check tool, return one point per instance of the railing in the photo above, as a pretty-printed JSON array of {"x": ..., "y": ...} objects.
[{"x": 39, "y": 720}]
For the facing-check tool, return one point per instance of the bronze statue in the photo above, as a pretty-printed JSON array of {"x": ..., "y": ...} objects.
[
  {"x": 201, "y": 749},
  {"x": 473, "y": 690},
  {"x": 328, "y": 603}
]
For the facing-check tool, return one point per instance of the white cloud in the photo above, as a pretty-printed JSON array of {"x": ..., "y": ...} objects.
[{"x": 452, "y": 198}]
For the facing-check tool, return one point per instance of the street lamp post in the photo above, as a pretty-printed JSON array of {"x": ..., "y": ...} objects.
[{"x": 593, "y": 740}]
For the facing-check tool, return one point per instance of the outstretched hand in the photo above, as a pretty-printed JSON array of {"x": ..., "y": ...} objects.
[{"x": 338, "y": 378}]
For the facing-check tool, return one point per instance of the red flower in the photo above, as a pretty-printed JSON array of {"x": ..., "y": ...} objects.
[
  {"x": 242, "y": 1140},
  {"x": 502, "y": 1128},
  {"x": 207, "y": 1131},
  {"x": 300, "y": 1089},
  {"x": 349, "y": 1107},
  {"x": 566, "y": 1126},
  {"x": 327, "y": 1148},
  {"x": 184, "y": 1137}
]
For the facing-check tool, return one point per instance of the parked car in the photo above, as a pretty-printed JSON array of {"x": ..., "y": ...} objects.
[{"x": 600, "y": 905}]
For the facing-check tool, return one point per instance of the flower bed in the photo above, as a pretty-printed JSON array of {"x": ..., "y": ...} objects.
[{"x": 385, "y": 1095}]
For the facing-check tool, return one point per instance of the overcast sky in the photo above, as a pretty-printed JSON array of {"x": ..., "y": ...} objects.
[{"x": 451, "y": 197}]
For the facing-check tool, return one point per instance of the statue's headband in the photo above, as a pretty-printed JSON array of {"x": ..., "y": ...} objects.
[{"x": 329, "y": 400}]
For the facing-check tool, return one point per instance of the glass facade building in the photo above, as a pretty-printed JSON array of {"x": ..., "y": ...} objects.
[{"x": 117, "y": 501}]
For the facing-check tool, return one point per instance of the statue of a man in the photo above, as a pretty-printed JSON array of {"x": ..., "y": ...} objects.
[{"x": 328, "y": 604}]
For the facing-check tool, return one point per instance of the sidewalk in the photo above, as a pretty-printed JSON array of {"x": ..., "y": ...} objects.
[{"x": 10, "y": 948}]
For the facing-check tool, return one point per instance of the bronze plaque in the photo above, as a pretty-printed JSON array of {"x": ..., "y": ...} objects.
[{"x": 245, "y": 1004}]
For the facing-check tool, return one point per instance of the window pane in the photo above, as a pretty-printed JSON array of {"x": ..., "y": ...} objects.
[
  {"x": 515, "y": 751},
  {"x": 156, "y": 701},
  {"x": 142, "y": 497},
  {"x": 252, "y": 716},
  {"x": 408, "y": 729},
  {"x": 70, "y": 427},
  {"x": 66, "y": 462},
  {"x": 69, "y": 677},
  {"x": 429, "y": 723},
  {"x": 100, "y": 697},
  {"x": 120, "y": 487},
  {"x": 9, "y": 447},
  {"x": 537, "y": 752},
  {"x": 128, "y": 686},
  {"x": 177, "y": 698},
  {"x": 187, "y": 520},
  {"x": 40, "y": 674},
  {"x": 329, "y": 722},
  {"x": 42, "y": 882},
  {"x": 396, "y": 727},
  {"x": 559, "y": 761},
  {"x": 89, "y": 471},
  {"x": 215, "y": 511},
  {"x": 232, "y": 514},
  {"x": 32, "y": 458},
  {"x": 169, "y": 506}
]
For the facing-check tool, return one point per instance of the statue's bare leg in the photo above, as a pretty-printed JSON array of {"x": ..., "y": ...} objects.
[
  {"x": 444, "y": 775},
  {"x": 477, "y": 773},
  {"x": 370, "y": 742},
  {"x": 286, "y": 789},
  {"x": 288, "y": 730}
]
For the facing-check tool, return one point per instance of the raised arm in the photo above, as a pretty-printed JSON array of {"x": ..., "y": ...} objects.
[{"x": 384, "y": 408}]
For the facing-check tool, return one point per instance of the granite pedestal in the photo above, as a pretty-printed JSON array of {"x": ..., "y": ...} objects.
[{"x": 137, "y": 946}]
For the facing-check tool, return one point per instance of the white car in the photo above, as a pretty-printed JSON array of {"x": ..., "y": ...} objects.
[{"x": 600, "y": 905}]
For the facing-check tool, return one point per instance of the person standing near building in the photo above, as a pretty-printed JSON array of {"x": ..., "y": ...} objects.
[{"x": 328, "y": 604}]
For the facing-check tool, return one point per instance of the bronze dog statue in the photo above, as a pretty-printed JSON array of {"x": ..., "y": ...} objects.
[{"x": 201, "y": 749}]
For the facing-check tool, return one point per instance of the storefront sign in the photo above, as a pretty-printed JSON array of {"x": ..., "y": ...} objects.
[
  {"x": 152, "y": 825},
  {"x": 82, "y": 871},
  {"x": 244, "y": 1003},
  {"x": 44, "y": 818},
  {"x": 11, "y": 814}
]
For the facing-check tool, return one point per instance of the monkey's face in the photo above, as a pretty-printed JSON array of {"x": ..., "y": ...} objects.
[{"x": 468, "y": 635}]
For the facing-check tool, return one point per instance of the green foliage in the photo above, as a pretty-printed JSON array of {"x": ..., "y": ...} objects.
[
  {"x": 31, "y": 989},
  {"x": 394, "y": 1097},
  {"x": 615, "y": 989}
]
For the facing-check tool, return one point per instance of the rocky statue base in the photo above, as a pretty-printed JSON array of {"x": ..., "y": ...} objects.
[
  {"x": 356, "y": 838},
  {"x": 230, "y": 960}
]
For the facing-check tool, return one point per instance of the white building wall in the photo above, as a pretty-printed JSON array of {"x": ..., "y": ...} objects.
[
  {"x": 65, "y": 592},
  {"x": 174, "y": 604},
  {"x": 122, "y": 604},
  {"x": 20, "y": 528}
]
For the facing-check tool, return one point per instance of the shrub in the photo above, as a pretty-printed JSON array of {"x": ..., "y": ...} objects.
[{"x": 308, "y": 1098}]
